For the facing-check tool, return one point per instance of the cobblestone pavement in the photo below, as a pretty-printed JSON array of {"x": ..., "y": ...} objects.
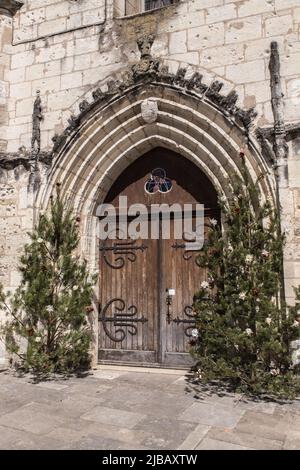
[{"x": 114, "y": 408}]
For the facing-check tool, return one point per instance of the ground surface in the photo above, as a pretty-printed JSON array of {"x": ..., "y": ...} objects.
[{"x": 131, "y": 409}]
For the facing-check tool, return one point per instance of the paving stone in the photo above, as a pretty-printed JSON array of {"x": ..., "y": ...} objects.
[
  {"x": 105, "y": 415},
  {"x": 264, "y": 425},
  {"x": 108, "y": 375},
  {"x": 123, "y": 434},
  {"x": 166, "y": 404},
  {"x": 292, "y": 441},
  {"x": 136, "y": 411},
  {"x": 52, "y": 386},
  {"x": 29, "y": 418},
  {"x": 94, "y": 443},
  {"x": 212, "y": 415},
  {"x": 212, "y": 444},
  {"x": 167, "y": 433},
  {"x": 194, "y": 438},
  {"x": 8, "y": 437},
  {"x": 244, "y": 439}
]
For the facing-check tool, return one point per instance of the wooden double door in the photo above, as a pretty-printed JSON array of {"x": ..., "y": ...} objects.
[{"x": 147, "y": 285}]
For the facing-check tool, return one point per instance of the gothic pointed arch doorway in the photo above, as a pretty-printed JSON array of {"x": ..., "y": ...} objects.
[{"x": 147, "y": 285}]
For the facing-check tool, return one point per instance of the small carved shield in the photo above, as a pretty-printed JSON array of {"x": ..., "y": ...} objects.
[{"x": 149, "y": 111}]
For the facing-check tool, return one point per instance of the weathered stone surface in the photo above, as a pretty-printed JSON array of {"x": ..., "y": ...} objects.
[
  {"x": 70, "y": 414},
  {"x": 63, "y": 49}
]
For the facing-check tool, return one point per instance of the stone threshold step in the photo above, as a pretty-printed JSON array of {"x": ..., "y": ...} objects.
[{"x": 138, "y": 369}]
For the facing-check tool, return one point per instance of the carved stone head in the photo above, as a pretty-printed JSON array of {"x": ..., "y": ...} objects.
[{"x": 145, "y": 45}]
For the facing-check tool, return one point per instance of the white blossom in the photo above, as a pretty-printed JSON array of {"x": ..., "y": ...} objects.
[
  {"x": 265, "y": 253},
  {"x": 75, "y": 288},
  {"x": 195, "y": 333},
  {"x": 213, "y": 222},
  {"x": 249, "y": 259},
  {"x": 204, "y": 285},
  {"x": 295, "y": 324},
  {"x": 275, "y": 372},
  {"x": 49, "y": 308},
  {"x": 269, "y": 320},
  {"x": 257, "y": 309},
  {"x": 242, "y": 296},
  {"x": 249, "y": 332},
  {"x": 38, "y": 339}
]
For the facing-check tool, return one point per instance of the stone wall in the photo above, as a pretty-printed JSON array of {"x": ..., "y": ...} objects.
[
  {"x": 66, "y": 49},
  {"x": 226, "y": 39}
]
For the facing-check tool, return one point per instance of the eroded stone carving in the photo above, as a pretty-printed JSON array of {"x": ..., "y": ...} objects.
[
  {"x": 280, "y": 144},
  {"x": 83, "y": 106},
  {"x": 147, "y": 64},
  {"x": 149, "y": 110},
  {"x": 37, "y": 117}
]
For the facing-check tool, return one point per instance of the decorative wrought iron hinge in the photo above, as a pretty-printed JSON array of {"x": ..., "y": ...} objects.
[
  {"x": 122, "y": 321},
  {"x": 121, "y": 251},
  {"x": 190, "y": 313}
]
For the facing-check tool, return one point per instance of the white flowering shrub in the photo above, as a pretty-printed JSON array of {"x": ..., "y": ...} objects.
[{"x": 244, "y": 329}]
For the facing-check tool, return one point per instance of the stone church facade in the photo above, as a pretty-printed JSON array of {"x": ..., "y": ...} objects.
[{"x": 89, "y": 86}]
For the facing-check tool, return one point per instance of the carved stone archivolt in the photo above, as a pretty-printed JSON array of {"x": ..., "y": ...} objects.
[{"x": 151, "y": 70}]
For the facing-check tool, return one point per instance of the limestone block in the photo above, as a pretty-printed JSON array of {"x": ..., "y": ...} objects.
[
  {"x": 246, "y": 72},
  {"x": 284, "y": 4},
  {"x": 46, "y": 85},
  {"x": 292, "y": 110},
  {"x": 74, "y": 21},
  {"x": 15, "y": 76},
  {"x": 24, "y": 107},
  {"x": 223, "y": 55},
  {"x": 206, "y": 36},
  {"x": 187, "y": 58},
  {"x": 261, "y": 91},
  {"x": 37, "y": 15},
  {"x": 243, "y": 30},
  {"x": 195, "y": 5},
  {"x": 290, "y": 64},
  {"x": 60, "y": 9},
  {"x": 217, "y": 14},
  {"x": 279, "y": 25},
  {"x": 22, "y": 59},
  {"x": 83, "y": 61},
  {"x": 53, "y": 52},
  {"x": 20, "y": 90},
  {"x": 178, "y": 42},
  {"x": 248, "y": 7},
  {"x": 71, "y": 80},
  {"x": 52, "y": 27},
  {"x": 63, "y": 99}
]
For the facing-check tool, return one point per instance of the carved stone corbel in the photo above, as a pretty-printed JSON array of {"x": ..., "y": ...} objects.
[{"x": 10, "y": 6}]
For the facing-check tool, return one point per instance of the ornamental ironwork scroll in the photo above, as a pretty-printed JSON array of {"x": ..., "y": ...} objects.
[
  {"x": 189, "y": 322},
  {"x": 123, "y": 321},
  {"x": 187, "y": 247},
  {"x": 121, "y": 251}
]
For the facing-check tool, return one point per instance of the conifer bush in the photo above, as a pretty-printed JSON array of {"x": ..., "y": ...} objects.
[
  {"x": 47, "y": 327},
  {"x": 244, "y": 330}
]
